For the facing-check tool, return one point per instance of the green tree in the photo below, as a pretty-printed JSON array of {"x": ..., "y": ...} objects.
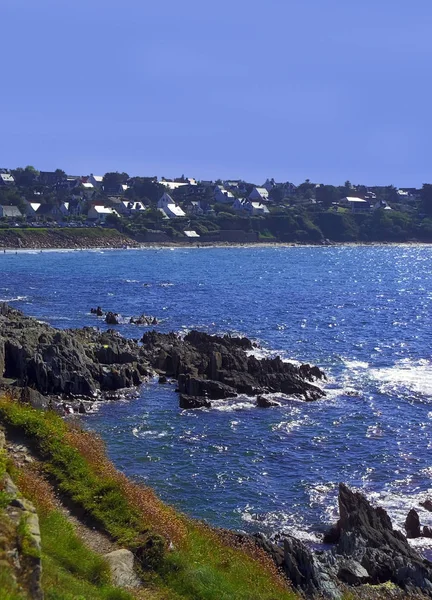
[
  {"x": 327, "y": 194},
  {"x": 426, "y": 199}
]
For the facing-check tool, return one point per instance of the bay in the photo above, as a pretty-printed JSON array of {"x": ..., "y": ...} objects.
[{"x": 362, "y": 313}]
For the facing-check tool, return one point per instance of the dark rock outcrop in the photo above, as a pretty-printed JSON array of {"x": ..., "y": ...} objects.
[
  {"x": 427, "y": 504},
  {"x": 193, "y": 402},
  {"x": 412, "y": 524},
  {"x": 366, "y": 550},
  {"x": 143, "y": 320},
  {"x": 264, "y": 402},
  {"x": 87, "y": 362},
  {"x": 111, "y": 318},
  {"x": 221, "y": 367},
  {"x": 83, "y": 363},
  {"x": 365, "y": 534}
]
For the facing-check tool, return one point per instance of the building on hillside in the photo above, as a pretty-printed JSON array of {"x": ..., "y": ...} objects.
[
  {"x": 95, "y": 180},
  {"x": 169, "y": 208},
  {"x": 356, "y": 205},
  {"x": 193, "y": 207},
  {"x": 51, "y": 178},
  {"x": 223, "y": 196},
  {"x": 259, "y": 194},
  {"x": 98, "y": 213},
  {"x": 174, "y": 184},
  {"x": 408, "y": 194},
  {"x": 191, "y": 234},
  {"x": 6, "y": 178},
  {"x": 381, "y": 204},
  {"x": 31, "y": 208},
  {"x": 10, "y": 212},
  {"x": 254, "y": 209},
  {"x": 129, "y": 207},
  {"x": 53, "y": 211}
]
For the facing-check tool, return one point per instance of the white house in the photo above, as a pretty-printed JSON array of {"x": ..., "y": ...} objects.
[
  {"x": 6, "y": 179},
  {"x": 191, "y": 234},
  {"x": 259, "y": 194},
  {"x": 169, "y": 208},
  {"x": 223, "y": 196},
  {"x": 10, "y": 212},
  {"x": 95, "y": 180},
  {"x": 251, "y": 208},
  {"x": 99, "y": 213},
  {"x": 174, "y": 185},
  {"x": 355, "y": 204},
  {"x": 127, "y": 207}
]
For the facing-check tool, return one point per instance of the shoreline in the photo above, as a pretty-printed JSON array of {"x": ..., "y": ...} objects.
[{"x": 198, "y": 246}]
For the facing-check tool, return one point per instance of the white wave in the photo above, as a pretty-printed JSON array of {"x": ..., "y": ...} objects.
[
  {"x": 149, "y": 433},
  {"x": 17, "y": 299},
  {"x": 130, "y": 281},
  {"x": 280, "y": 522},
  {"x": 234, "y": 404},
  {"x": 261, "y": 353},
  {"x": 356, "y": 364},
  {"x": 412, "y": 376},
  {"x": 399, "y": 503}
]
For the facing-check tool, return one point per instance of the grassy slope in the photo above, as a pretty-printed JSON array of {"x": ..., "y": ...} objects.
[{"x": 200, "y": 567}]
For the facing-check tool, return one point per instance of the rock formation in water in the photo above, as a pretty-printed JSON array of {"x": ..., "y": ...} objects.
[
  {"x": 87, "y": 362},
  {"x": 210, "y": 367},
  {"x": 365, "y": 550}
]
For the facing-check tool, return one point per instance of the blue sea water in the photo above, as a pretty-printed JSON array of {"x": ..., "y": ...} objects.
[{"x": 363, "y": 314}]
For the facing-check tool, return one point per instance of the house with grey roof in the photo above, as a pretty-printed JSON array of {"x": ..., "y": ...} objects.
[
  {"x": 10, "y": 212},
  {"x": 259, "y": 194}
]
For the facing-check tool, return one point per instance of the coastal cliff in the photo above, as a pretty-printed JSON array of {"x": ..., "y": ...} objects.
[{"x": 100, "y": 532}]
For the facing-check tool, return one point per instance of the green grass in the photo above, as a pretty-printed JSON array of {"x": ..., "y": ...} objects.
[
  {"x": 8, "y": 587},
  {"x": 70, "y": 570},
  {"x": 201, "y": 567}
]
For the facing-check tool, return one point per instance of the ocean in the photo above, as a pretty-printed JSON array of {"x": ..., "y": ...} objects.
[{"x": 361, "y": 313}]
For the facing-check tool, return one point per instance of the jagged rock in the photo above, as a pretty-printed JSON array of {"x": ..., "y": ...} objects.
[
  {"x": 351, "y": 572},
  {"x": 194, "y": 386},
  {"x": 143, "y": 320},
  {"x": 427, "y": 531},
  {"x": 264, "y": 402},
  {"x": 111, "y": 318},
  {"x": 97, "y": 311},
  {"x": 366, "y": 535},
  {"x": 162, "y": 379},
  {"x": 193, "y": 402},
  {"x": 33, "y": 397},
  {"x": 427, "y": 504},
  {"x": 121, "y": 564},
  {"x": 412, "y": 524},
  {"x": 74, "y": 363},
  {"x": 225, "y": 360}
]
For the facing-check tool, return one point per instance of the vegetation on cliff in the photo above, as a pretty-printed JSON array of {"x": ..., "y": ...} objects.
[{"x": 177, "y": 558}]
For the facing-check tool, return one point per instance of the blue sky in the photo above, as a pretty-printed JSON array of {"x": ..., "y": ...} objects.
[{"x": 293, "y": 89}]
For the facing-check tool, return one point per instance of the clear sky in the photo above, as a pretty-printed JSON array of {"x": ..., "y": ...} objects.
[{"x": 292, "y": 89}]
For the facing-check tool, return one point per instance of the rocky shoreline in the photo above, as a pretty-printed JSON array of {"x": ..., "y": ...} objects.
[
  {"x": 89, "y": 364},
  {"x": 68, "y": 370}
]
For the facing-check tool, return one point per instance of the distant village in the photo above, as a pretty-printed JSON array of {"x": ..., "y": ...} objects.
[{"x": 161, "y": 208}]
